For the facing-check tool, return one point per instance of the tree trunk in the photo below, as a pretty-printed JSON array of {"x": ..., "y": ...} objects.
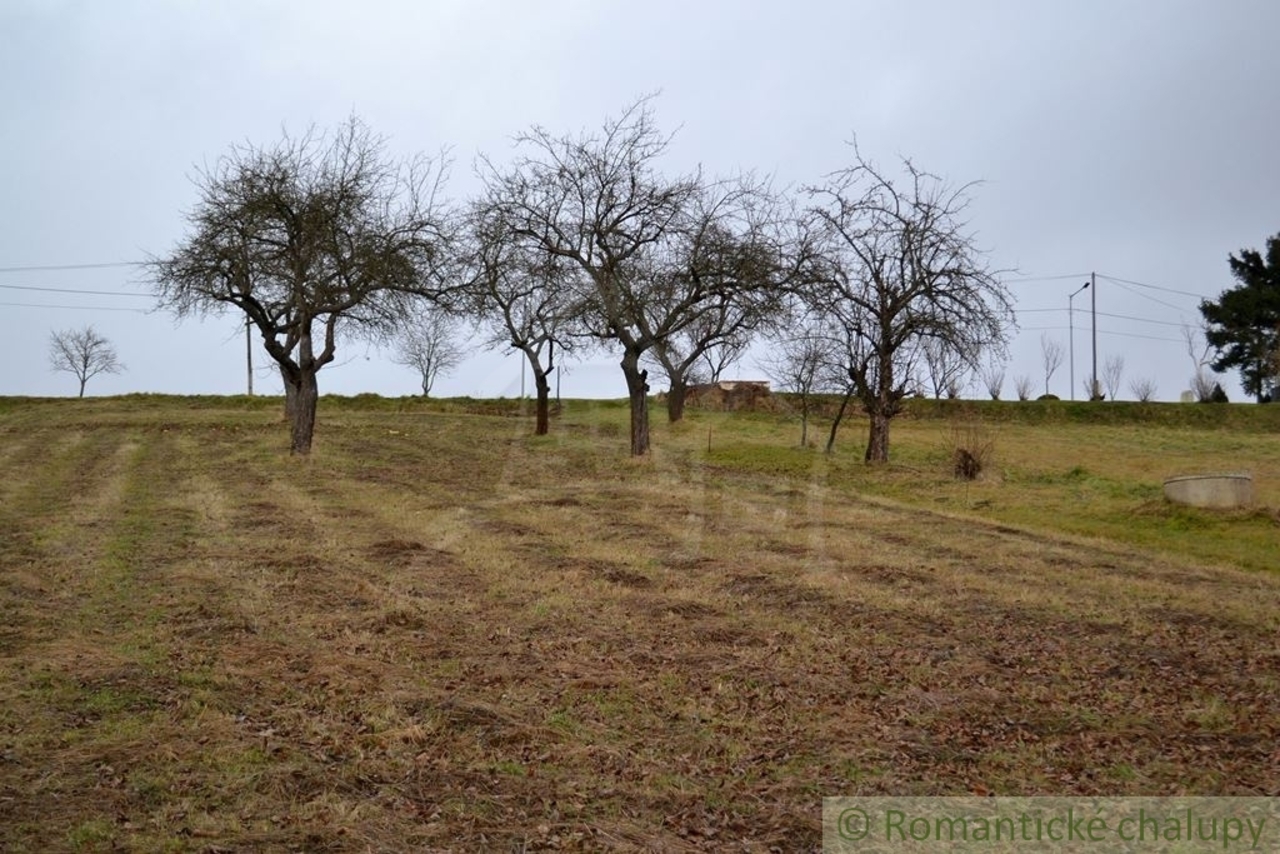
[
  {"x": 303, "y": 422},
  {"x": 82, "y": 382},
  {"x": 878, "y": 442},
  {"x": 804, "y": 421},
  {"x": 638, "y": 392},
  {"x": 675, "y": 399},
  {"x": 306, "y": 393},
  {"x": 835, "y": 425},
  {"x": 543, "y": 408},
  {"x": 290, "y": 395}
]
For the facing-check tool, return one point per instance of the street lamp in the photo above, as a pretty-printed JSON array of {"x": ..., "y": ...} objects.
[
  {"x": 1071, "y": 326},
  {"x": 1094, "y": 387}
]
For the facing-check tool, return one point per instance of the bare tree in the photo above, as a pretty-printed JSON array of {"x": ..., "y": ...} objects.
[
  {"x": 521, "y": 296},
  {"x": 82, "y": 352},
  {"x": 1143, "y": 388},
  {"x": 428, "y": 344},
  {"x": 1200, "y": 351},
  {"x": 945, "y": 366},
  {"x": 1202, "y": 386},
  {"x": 992, "y": 375},
  {"x": 700, "y": 352},
  {"x": 723, "y": 354},
  {"x": 653, "y": 254},
  {"x": 315, "y": 230},
  {"x": 1112, "y": 371},
  {"x": 1022, "y": 387},
  {"x": 734, "y": 248},
  {"x": 800, "y": 363},
  {"x": 1051, "y": 356},
  {"x": 894, "y": 268}
]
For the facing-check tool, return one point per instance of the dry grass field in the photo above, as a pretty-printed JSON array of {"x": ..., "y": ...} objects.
[{"x": 443, "y": 634}]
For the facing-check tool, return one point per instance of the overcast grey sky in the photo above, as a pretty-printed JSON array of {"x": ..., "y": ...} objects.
[{"x": 1135, "y": 139}]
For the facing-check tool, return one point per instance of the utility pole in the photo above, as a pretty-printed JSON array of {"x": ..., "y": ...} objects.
[
  {"x": 1071, "y": 326},
  {"x": 1093, "y": 303},
  {"x": 248, "y": 354}
]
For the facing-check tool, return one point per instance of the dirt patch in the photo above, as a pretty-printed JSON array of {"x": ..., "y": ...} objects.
[
  {"x": 292, "y": 563},
  {"x": 693, "y": 564},
  {"x": 395, "y": 549},
  {"x": 562, "y": 501},
  {"x": 503, "y": 527},
  {"x": 771, "y": 593},
  {"x": 780, "y": 547},
  {"x": 626, "y": 578},
  {"x": 727, "y": 635},
  {"x": 688, "y": 609},
  {"x": 892, "y": 575},
  {"x": 261, "y": 514}
]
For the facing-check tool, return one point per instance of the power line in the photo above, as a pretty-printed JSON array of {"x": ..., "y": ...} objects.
[
  {"x": 1109, "y": 278},
  {"x": 45, "y": 267},
  {"x": 84, "y": 307},
  {"x": 1147, "y": 296},
  {"x": 1102, "y": 332},
  {"x": 74, "y": 291},
  {"x": 1105, "y": 314},
  {"x": 1152, "y": 287},
  {"x": 1141, "y": 319},
  {"x": 1044, "y": 278}
]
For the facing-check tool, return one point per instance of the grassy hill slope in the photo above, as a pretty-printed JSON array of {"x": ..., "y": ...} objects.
[{"x": 443, "y": 634}]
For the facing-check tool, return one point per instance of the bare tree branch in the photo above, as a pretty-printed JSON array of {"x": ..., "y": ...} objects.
[{"x": 84, "y": 353}]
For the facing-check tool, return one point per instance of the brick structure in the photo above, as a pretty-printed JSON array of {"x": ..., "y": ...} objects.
[{"x": 730, "y": 395}]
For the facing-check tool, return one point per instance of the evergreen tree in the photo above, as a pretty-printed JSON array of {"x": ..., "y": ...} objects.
[{"x": 1244, "y": 324}]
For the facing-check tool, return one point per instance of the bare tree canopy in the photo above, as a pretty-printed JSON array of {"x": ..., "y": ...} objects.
[
  {"x": 1143, "y": 388},
  {"x": 992, "y": 375},
  {"x": 428, "y": 344},
  {"x": 1022, "y": 387},
  {"x": 1112, "y": 372},
  {"x": 319, "y": 230},
  {"x": 1202, "y": 382},
  {"x": 743, "y": 249},
  {"x": 801, "y": 362},
  {"x": 654, "y": 254},
  {"x": 523, "y": 297},
  {"x": 84, "y": 353},
  {"x": 1051, "y": 356},
  {"x": 895, "y": 268},
  {"x": 946, "y": 368}
]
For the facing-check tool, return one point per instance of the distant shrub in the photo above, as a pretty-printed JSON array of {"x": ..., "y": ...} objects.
[
  {"x": 1217, "y": 395},
  {"x": 971, "y": 449},
  {"x": 1048, "y": 397},
  {"x": 1022, "y": 387},
  {"x": 1144, "y": 389}
]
